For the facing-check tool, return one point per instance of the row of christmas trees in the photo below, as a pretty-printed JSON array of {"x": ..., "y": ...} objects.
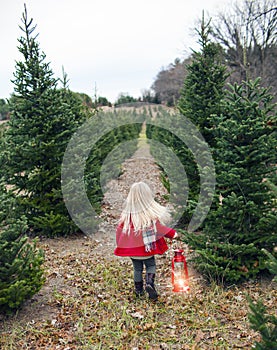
[
  {"x": 237, "y": 237},
  {"x": 238, "y": 125},
  {"x": 33, "y": 143}
]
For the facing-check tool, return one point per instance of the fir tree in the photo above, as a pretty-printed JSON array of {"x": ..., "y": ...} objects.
[
  {"x": 200, "y": 99},
  {"x": 244, "y": 222},
  {"x": 263, "y": 323},
  {"x": 21, "y": 273},
  {"x": 271, "y": 263},
  {"x": 258, "y": 316},
  {"x": 43, "y": 118},
  {"x": 203, "y": 88}
]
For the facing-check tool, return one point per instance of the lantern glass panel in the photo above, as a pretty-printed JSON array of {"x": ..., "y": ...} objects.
[{"x": 178, "y": 269}]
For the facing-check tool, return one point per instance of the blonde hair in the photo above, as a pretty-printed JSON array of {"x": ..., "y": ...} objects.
[{"x": 141, "y": 209}]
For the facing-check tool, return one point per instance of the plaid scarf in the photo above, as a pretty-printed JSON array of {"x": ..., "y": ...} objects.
[{"x": 149, "y": 238}]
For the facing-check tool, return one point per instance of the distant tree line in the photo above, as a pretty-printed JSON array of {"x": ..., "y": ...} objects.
[
  {"x": 246, "y": 33},
  {"x": 88, "y": 102}
]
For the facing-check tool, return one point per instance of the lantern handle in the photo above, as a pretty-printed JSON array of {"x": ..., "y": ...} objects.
[{"x": 177, "y": 239}]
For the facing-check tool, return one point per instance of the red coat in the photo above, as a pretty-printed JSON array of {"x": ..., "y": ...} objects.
[{"x": 132, "y": 244}]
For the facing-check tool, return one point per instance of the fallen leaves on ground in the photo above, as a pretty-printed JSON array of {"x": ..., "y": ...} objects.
[
  {"x": 88, "y": 302},
  {"x": 94, "y": 307}
]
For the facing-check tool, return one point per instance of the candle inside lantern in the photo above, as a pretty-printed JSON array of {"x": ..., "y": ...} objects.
[{"x": 180, "y": 278}]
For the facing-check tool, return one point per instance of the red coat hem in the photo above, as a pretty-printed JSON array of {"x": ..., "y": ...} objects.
[{"x": 140, "y": 251}]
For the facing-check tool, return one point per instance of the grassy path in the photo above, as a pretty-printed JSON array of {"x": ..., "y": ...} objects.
[{"x": 88, "y": 303}]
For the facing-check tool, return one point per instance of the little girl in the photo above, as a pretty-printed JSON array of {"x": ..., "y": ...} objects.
[{"x": 140, "y": 235}]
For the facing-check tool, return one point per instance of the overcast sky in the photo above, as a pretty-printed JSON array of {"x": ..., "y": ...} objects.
[{"x": 119, "y": 46}]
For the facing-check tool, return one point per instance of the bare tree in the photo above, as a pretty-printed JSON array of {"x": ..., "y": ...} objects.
[{"x": 248, "y": 34}]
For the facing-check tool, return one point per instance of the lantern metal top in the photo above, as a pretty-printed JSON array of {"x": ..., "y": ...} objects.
[{"x": 178, "y": 251}]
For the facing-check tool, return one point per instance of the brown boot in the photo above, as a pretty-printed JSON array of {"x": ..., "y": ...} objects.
[
  {"x": 139, "y": 289},
  {"x": 150, "y": 286}
]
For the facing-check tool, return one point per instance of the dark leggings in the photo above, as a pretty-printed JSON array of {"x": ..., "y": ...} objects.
[{"x": 150, "y": 265}]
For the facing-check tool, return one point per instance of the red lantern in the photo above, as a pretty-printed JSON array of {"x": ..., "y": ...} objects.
[{"x": 180, "y": 276}]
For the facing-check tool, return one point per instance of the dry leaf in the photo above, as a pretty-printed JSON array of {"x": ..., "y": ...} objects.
[
  {"x": 199, "y": 336},
  {"x": 137, "y": 315}
]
